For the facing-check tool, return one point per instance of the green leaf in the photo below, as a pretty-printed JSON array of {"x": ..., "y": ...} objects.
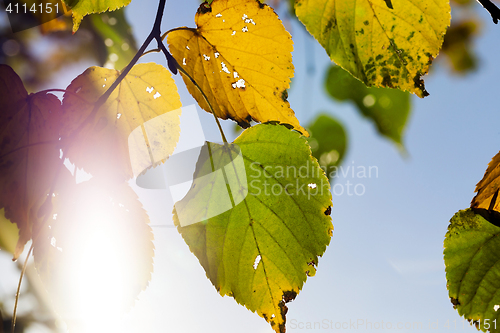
[
  {"x": 387, "y": 108},
  {"x": 260, "y": 250},
  {"x": 117, "y": 36},
  {"x": 472, "y": 260},
  {"x": 328, "y": 142},
  {"x": 382, "y": 46},
  {"x": 81, "y": 8}
]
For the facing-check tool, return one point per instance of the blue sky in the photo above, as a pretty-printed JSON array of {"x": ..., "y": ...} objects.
[{"x": 385, "y": 262}]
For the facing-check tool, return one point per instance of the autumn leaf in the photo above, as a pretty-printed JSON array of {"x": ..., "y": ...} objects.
[
  {"x": 81, "y": 8},
  {"x": 485, "y": 202},
  {"x": 146, "y": 101},
  {"x": 95, "y": 254},
  {"x": 240, "y": 56},
  {"x": 381, "y": 46},
  {"x": 388, "y": 109},
  {"x": 471, "y": 256},
  {"x": 276, "y": 224},
  {"x": 29, "y": 156}
]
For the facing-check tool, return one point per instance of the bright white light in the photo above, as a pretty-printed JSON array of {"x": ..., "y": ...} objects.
[
  {"x": 99, "y": 273},
  {"x": 102, "y": 283}
]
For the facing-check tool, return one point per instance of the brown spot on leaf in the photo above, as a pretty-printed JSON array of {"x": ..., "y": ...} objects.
[
  {"x": 204, "y": 8},
  {"x": 455, "y": 302},
  {"x": 284, "y": 95},
  {"x": 419, "y": 83},
  {"x": 289, "y": 296},
  {"x": 328, "y": 211}
]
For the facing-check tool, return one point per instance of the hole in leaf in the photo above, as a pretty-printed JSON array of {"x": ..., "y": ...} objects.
[
  {"x": 256, "y": 262},
  {"x": 224, "y": 68}
]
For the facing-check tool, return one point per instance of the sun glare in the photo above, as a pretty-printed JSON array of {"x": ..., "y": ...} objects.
[{"x": 101, "y": 273}]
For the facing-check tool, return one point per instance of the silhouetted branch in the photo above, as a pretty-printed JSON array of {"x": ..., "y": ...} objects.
[{"x": 492, "y": 9}]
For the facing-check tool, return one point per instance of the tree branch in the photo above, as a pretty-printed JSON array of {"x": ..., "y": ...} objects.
[{"x": 492, "y": 9}]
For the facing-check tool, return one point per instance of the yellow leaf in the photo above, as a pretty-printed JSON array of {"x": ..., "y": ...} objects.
[
  {"x": 488, "y": 186},
  {"x": 240, "y": 56},
  {"x": 103, "y": 144},
  {"x": 9, "y": 233},
  {"x": 29, "y": 132},
  {"x": 383, "y": 44},
  {"x": 81, "y": 8}
]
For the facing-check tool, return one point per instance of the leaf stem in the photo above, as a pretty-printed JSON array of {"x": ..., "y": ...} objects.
[{"x": 183, "y": 71}]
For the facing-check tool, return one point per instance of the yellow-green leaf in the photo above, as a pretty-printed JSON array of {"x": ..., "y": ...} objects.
[
  {"x": 81, "y": 8},
  {"x": 275, "y": 222},
  {"x": 29, "y": 156},
  {"x": 471, "y": 257},
  {"x": 240, "y": 56},
  {"x": 111, "y": 142},
  {"x": 9, "y": 233},
  {"x": 381, "y": 46}
]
